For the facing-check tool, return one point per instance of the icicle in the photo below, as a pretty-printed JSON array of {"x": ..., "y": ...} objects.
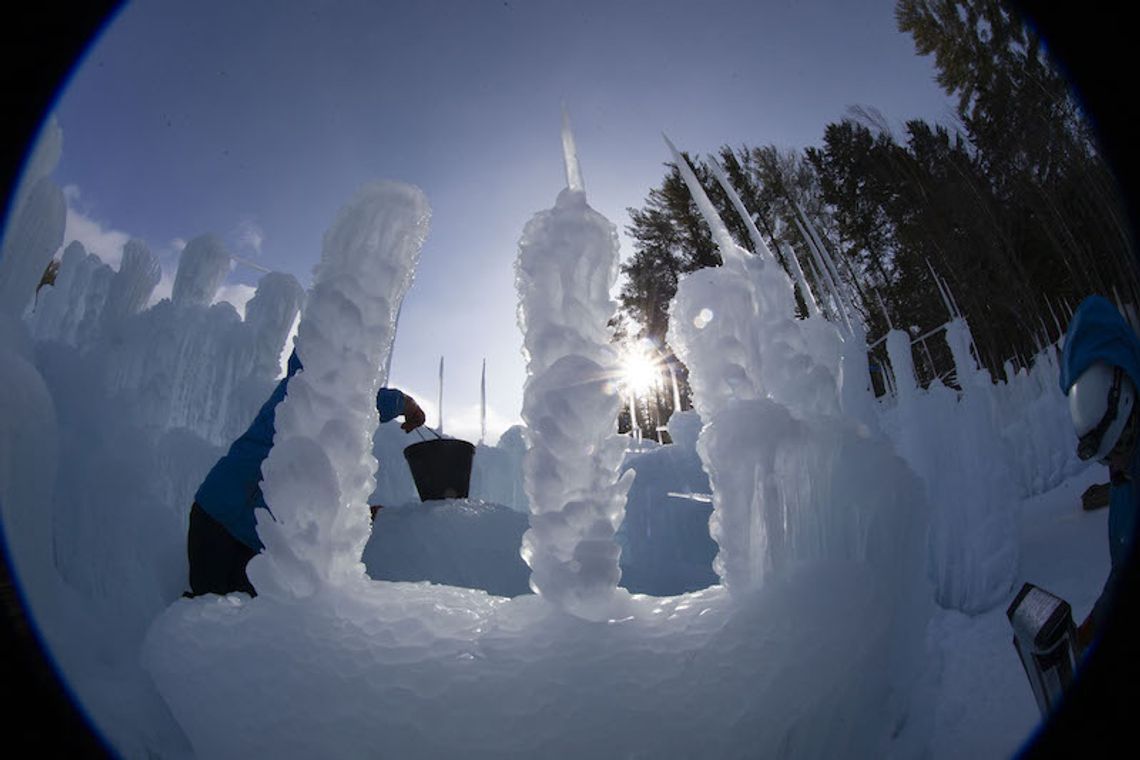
[
  {"x": 946, "y": 300},
  {"x": 440, "y": 430},
  {"x": 758, "y": 245},
  {"x": 819, "y": 278},
  {"x": 1056, "y": 322},
  {"x": 840, "y": 305},
  {"x": 731, "y": 254},
  {"x": 805, "y": 290},
  {"x": 483, "y": 404},
  {"x": 953, "y": 300},
  {"x": 829, "y": 262},
  {"x": 883, "y": 306},
  {"x": 570, "y": 155}
]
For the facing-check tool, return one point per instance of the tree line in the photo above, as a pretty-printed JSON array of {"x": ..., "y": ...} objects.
[{"x": 1011, "y": 206}]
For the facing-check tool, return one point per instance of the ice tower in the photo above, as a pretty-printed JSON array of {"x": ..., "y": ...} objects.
[
  {"x": 566, "y": 266},
  {"x": 320, "y": 471}
]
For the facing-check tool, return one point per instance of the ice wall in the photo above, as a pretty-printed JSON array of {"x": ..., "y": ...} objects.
[
  {"x": 796, "y": 481},
  {"x": 132, "y": 285},
  {"x": 1036, "y": 427},
  {"x": 185, "y": 365},
  {"x": 320, "y": 471},
  {"x": 954, "y": 442},
  {"x": 566, "y": 266},
  {"x": 32, "y": 235},
  {"x": 202, "y": 267},
  {"x": 764, "y": 383}
]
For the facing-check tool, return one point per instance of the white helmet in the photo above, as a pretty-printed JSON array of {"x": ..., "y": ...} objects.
[{"x": 1100, "y": 403}]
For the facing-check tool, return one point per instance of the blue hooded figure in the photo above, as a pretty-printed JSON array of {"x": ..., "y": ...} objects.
[
  {"x": 222, "y": 537},
  {"x": 1100, "y": 370}
]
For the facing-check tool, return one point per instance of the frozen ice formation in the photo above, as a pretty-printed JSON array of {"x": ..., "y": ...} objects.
[
  {"x": 566, "y": 265},
  {"x": 793, "y": 478},
  {"x": 202, "y": 268},
  {"x": 32, "y": 236},
  {"x": 320, "y": 472},
  {"x": 972, "y": 552}
]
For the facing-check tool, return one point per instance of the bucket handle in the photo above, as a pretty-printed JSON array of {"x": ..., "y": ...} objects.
[{"x": 420, "y": 430}]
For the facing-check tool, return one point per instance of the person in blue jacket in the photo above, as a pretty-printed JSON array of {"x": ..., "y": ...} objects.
[
  {"x": 222, "y": 537},
  {"x": 1100, "y": 369}
]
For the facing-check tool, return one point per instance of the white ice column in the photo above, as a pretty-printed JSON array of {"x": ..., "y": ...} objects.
[
  {"x": 131, "y": 287},
  {"x": 566, "y": 266},
  {"x": 321, "y": 470},
  {"x": 202, "y": 267},
  {"x": 269, "y": 317},
  {"x": 33, "y": 235},
  {"x": 902, "y": 364},
  {"x": 959, "y": 339}
]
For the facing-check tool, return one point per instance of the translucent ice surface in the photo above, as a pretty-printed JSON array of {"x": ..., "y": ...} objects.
[
  {"x": 566, "y": 266},
  {"x": 320, "y": 472}
]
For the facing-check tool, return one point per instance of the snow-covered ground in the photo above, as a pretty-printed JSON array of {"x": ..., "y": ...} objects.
[
  {"x": 830, "y": 571},
  {"x": 984, "y": 706}
]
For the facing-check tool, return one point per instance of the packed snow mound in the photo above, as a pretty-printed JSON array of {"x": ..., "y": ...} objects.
[
  {"x": 456, "y": 542},
  {"x": 415, "y": 670},
  {"x": 665, "y": 544}
]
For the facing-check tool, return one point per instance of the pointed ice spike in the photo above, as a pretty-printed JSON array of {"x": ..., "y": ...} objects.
[
  {"x": 941, "y": 290},
  {"x": 570, "y": 155},
  {"x": 838, "y": 287},
  {"x": 953, "y": 300},
  {"x": 483, "y": 404},
  {"x": 1056, "y": 322},
  {"x": 883, "y": 306},
  {"x": 827, "y": 278},
  {"x": 825, "y": 254},
  {"x": 823, "y": 283},
  {"x": 758, "y": 245},
  {"x": 731, "y": 254},
  {"x": 806, "y": 291}
]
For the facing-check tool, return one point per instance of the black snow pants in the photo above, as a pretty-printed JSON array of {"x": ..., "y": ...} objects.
[{"x": 217, "y": 559}]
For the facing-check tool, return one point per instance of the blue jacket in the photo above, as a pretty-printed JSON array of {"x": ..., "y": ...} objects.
[
  {"x": 1097, "y": 332},
  {"x": 232, "y": 489}
]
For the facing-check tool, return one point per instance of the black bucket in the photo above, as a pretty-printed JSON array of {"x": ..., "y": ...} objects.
[{"x": 441, "y": 467}]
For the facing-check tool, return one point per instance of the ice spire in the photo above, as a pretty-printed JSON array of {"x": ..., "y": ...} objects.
[
  {"x": 566, "y": 266},
  {"x": 570, "y": 155},
  {"x": 758, "y": 244},
  {"x": 321, "y": 469},
  {"x": 809, "y": 296},
  {"x": 732, "y": 254},
  {"x": 826, "y": 267},
  {"x": 943, "y": 291},
  {"x": 30, "y": 239},
  {"x": 202, "y": 267}
]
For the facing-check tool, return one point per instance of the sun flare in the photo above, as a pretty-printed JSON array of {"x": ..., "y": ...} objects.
[{"x": 640, "y": 369}]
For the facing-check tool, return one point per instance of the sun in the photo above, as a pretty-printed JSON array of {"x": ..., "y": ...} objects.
[{"x": 640, "y": 369}]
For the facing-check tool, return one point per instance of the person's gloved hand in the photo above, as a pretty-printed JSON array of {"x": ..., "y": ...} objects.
[{"x": 413, "y": 415}]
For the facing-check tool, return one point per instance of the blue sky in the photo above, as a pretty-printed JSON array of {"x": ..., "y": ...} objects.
[{"x": 257, "y": 120}]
